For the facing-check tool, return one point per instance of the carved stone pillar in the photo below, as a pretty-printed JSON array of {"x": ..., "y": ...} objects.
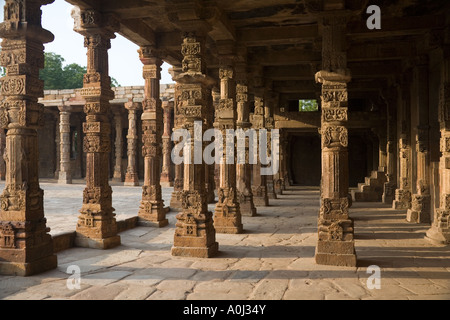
[
  {"x": 440, "y": 229},
  {"x": 402, "y": 199},
  {"x": 176, "y": 199},
  {"x": 26, "y": 248},
  {"x": 421, "y": 201},
  {"x": 118, "y": 172},
  {"x": 336, "y": 242},
  {"x": 227, "y": 215},
  {"x": 151, "y": 212},
  {"x": 259, "y": 182},
  {"x": 210, "y": 181},
  {"x": 65, "y": 171},
  {"x": 243, "y": 171},
  {"x": 391, "y": 155},
  {"x": 269, "y": 125},
  {"x": 166, "y": 174},
  {"x": 131, "y": 177},
  {"x": 97, "y": 226},
  {"x": 58, "y": 145},
  {"x": 280, "y": 183},
  {"x": 2, "y": 152},
  {"x": 381, "y": 133},
  {"x": 195, "y": 235}
]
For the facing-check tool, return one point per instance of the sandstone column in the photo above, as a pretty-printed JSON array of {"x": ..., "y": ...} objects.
[
  {"x": 269, "y": 125},
  {"x": 336, "y": 243},
  {"x": 118, "y": 173},
  {"x": 26, "y": 248},
  {"x": 259, "y": 182},
  {"x": 440, "y": 229},
  {"x": 131, "y": 177},
  {"x": 166, "y": 174},
  {"x": 175, "y": 200},
  {"x": 65, "y": 172},
  {"x": 97, "y": 226},
  {"x": 421, "y": 200},
  {"x": 58, "y": 145},
  {"x": 2, "y": 152},
  {"x": 195, "y": 235},
  {"x": 243, "y": 171},
  {"x": 152, "y": 211},
  {"x": 403, "y": 193},
  {"x": 280, "y": 183},
  {"x": 227, "y": 215},
  {"x": 210, "y": 181},
  {"x": 391, "y": 158}
]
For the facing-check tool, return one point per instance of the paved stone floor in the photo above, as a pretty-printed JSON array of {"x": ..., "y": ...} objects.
[{"x": 272, "y": 259}]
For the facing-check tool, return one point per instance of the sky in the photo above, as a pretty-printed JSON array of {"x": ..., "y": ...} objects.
[{"x": 124, "y": 63}]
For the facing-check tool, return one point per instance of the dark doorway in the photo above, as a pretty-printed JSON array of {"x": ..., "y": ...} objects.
[{"x": 305, "y": 160}]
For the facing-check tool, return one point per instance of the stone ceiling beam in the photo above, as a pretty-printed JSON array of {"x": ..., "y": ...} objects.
[
  {"x": 395, "y": 27},
  {"x": 277, "y": 35},
  {"x": 138, "y": 32}
]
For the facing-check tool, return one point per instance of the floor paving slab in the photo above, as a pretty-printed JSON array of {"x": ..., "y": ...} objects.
[{"x": 273, "y": 259}]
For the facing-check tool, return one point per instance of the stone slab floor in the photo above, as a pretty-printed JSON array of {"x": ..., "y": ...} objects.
[{"x": 273, "y": 259}]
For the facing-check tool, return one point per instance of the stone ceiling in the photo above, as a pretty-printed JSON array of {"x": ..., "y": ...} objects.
[{"x": 281, "y": 39}]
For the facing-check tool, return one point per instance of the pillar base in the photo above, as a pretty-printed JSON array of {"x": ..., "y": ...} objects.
[
  {"x": 166, "y": 184},
  {"x": 176, "y": 201},
  {"x": 107, "y": 243},
  {"x": 332, "y": 259},
  {"x": 152, "y": 213},
  {"x": 64, "y": 178},
  {"x": 438, "y": 236},
  {"x": 131, "y": 180},
  {"x": 118, "y": 180},
  {"x": 247, "y": 210},
  {"x": 227, "y": 219},
  {"x": 261, "y": 201},
  {"x": 30, "y": 268},
  {"x": 200, "y": 252},
  {"x": 388, "y": 196},
  {"x": 402, "y": 200},
  {"x": 420, "y": 211}
]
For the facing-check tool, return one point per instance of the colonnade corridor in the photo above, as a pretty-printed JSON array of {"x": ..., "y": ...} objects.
[{"x": 272, "y": 259}]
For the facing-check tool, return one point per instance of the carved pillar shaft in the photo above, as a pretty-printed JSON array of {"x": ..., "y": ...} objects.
[
  {"x": 118, "y": 172},
  {"x": 175, "y": 201},
  {"x": 227, "y": 215},
  {"x": 440, "y": 229},
  {"x": 391, "y": 147},
  {"x": 194, "y": 233},
  {"x": 26, "y": 248},
  {"x": 152, "y": 211},
  {"x": 166, "y": 174},
  {"x": 259, "y": 182},
  {"x": 131, "y": 176},
  {"x": 97, "y": 226},
  {"x": 421, "y": 200},
  {"x": 2, "y": 152},
  {"x": 269, "y": 125},
  {"x": 403, "y": 193},
  {"x": 58, "y": 147},
  {"x": 210, "y": 181},
  {"x": 336, "y": 243},
  {"x": 243, "y": 171},
  {"x": 65, "y": 171}
]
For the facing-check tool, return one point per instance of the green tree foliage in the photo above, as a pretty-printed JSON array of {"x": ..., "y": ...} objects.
[
  {"x": 58, "y": 77},
  {"x": 308, "y": 105}
]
